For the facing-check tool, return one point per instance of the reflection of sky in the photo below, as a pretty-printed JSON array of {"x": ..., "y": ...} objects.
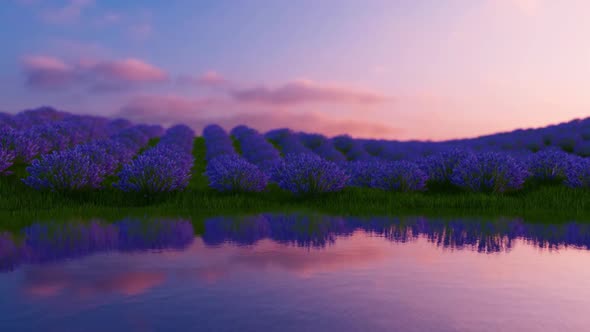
[{"x": 359, "y": 281}]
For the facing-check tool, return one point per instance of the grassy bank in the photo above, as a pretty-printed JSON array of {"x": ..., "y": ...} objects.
[{"x": 20, "y": 204}]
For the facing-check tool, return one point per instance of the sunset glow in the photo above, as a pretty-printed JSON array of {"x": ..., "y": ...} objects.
[{"x": 387, "y": 69}]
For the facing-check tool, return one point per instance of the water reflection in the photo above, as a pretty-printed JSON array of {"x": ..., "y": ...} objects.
[
  {"x": 482, "y": 235},
  {"x": 297, "y": 272},
  {"x": 43, "y": 242}
]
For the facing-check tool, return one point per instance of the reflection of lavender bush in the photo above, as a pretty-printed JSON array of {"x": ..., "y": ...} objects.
[
  {"x": 44, "y": 242},
  {"x": 484, "y": 236},
  {"x": 309, "y": 174},
  {"x": 489, "y": 172},
  {"x": 231, "y": 173},
  {"x": 135, "y": 234}
]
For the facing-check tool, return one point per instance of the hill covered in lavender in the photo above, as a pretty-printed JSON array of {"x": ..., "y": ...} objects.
[{"x": 61, "y": 151}]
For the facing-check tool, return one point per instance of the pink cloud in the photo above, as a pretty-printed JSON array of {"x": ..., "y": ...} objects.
[
  {"x": 304, "y": 91},
  {"x": 166, "y": 109},
  {"x": 130, "y": 70},
  {"x": 198, "y": 113},
  {"x": 210, "y": 78},
  {"x": 45, "y": 72}
]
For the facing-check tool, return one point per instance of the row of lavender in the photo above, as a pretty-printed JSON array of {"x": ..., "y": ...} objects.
[
  {"x": 45, "y": 242},
  {"x": 68, "y": 152},
  {"x": 38, "y": 132},
  {"x": 163, "y": 168},
  {"x": 313, "y": 164}
]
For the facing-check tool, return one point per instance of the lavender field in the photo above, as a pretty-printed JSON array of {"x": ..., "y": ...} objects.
[{"x": 56, "y": 160}]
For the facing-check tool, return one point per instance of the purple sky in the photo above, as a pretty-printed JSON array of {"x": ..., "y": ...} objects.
[{"x": 422, "y": 69}]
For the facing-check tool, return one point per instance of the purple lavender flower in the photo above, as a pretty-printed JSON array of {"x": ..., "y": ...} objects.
[
  {"x": 63, "y": 171},
  {"x": 231, "y": 173},
  {"x": 440, "y": 166},
  {"x": 255, "y": 148},
  {"x": 361, "y": 173},
  {"x": 217, "y": 142},
  {"x": 398, "y": 176},
  {"x": 178, "y": 137},
  {"x": 582, "y": 148},
  {"x": 160, "y": 169},
  {"x": 322, "y": 146},
  {"x": 25, "y": 146},
  {"x": 6, "y": 159},
  {"x": 309, "y": 174},
  {"x": 578, "y": 173},
  {"x": 116, "y": 125},
  {"x": 489, "y": 172},
  {"x": 352, "y": 149},
  {"x": 287, "y": 141},
  {"x": 7, "y": 148},
  {"x": 549, "y": 164}
]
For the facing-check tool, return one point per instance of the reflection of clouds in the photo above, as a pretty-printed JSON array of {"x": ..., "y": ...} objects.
[
  {"x": 355, "y": 251},
  {"x": 53, "y": 281}
]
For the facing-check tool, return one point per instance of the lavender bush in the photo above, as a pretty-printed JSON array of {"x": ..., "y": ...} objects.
[
  {"x": 549, "y": 165},
  {"x": 440, "y": 166},
  {"x": 322, "y": 146},
  {"x": 255, "y": 148},
  {"x": 231, "y": 173},
  {"x": 351, "y": 148},
  {"x": 398, "y": 176},
  {"x": 217, "y": 142},
  {"x": 309, "y": 174},
  {"x": 287, "y": 141},
  {"x": 489, "y": 172},
  {"x": 163, "y": 168},
  {"x": 578, "y": 173},
  {"x": 63, "y": 171},
  {"x": 159, "y": 169}
]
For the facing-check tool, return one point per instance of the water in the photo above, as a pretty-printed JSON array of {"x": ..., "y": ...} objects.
[{"x": 296, "y": 273}]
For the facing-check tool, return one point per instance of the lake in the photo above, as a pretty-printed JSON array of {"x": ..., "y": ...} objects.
[{"x": 296, "y": 272}]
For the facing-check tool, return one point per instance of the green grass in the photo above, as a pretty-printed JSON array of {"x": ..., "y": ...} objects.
[{"x": 20, "y": 204}]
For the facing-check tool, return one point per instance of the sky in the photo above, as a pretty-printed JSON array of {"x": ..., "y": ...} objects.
[{"x": 413, "y": 69}]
